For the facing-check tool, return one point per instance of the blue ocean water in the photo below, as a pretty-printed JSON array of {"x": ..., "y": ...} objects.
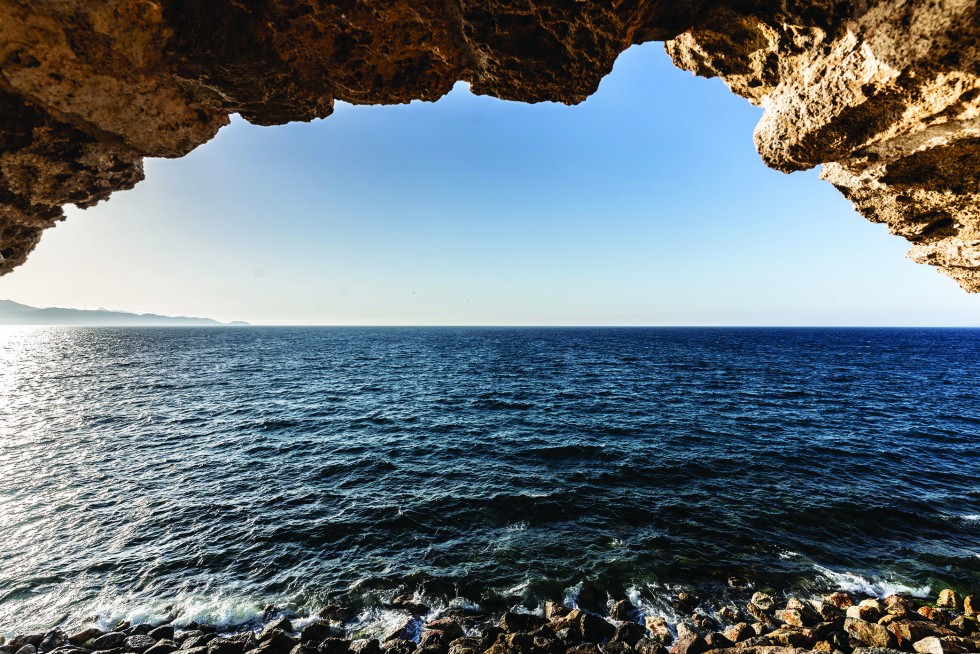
[{"x": 211, "y": 472}]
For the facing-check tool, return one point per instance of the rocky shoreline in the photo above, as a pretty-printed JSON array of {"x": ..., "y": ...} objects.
[{"x": 836, "y": 624}]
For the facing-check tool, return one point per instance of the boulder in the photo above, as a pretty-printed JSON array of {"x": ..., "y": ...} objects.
[
  {"x": 865, "y": 612},
  {"x": 791, "y": 617},
  {"x": 704, "y": 622},
  {"x": 26, "y": 649},
  {"x": 739, "y": 632},
  {"x": 52, "y": 640},
  {"x": 760, "y": 615},
  {"x": 657, "y": 626},
  {"x": 876, "y": 650},
  {"x": 594, "y": 629},
  {"x": 398, "y": 646},
  {"x": 869, "y": 633},
  {"x": 971, "y": 606},
  {"x": 405, "y": 630},
  {"x": 949, "y": 599},
  {"x": 410, "y": 604},
  {"x": 334, "y": 646},
  {"x": 490, "y": 635},
  {"x": 545, "y": 645},
  {"x": 629, "y": 633},
  {"x": 512, "y": 622},
  {"x": 936, "y": 615},
  {"x": 554, "y": 610},
  {"x": 34, "y": 640},
  {"x": 277, "y": 642},
  {"x": 840, "y": 600},
  {"x": 763, "y": 601},
  {"x": 622, "y": 610},
  {"x": 717, "y": 640},
  {"x": 141, "y": 642},
  {"x": 827, "y": 611},
  {"x": 82, "y": 636},
  {"x": 787, "y": 636},
  {"x": 163, "y": 632},
  {"x": 317, "y": 632},
  {"x": 649, "y": 646},
  {"x": 184, "y": 636},
  {"x": 963, "y": 626},
  {"x": 615, "y": 648},
  {"x": 689, "y": 644},
  {"x": 281, "y": 623},
  {"x": 365, "y": 646},
  {"x": 466, "y": 645},
  {"x": 512, "y": 643},
  {"x": 448, "y": 626},
  {"x": 111, "y": 640},
  {"x": 933, "y": 645},
  {"x": 584, "y": 648},
  {"x": 909, "y": 631},
  {"x": 684, "y": 602},
  {"x": 163, "y": 647},
  {"x": 197, "y": 641},
  {"x": 140, "y": 629}
]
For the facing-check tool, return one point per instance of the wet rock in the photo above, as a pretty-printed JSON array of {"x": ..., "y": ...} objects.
[
  {"x": 935, "y": 645},
  {"x": 398, "y": 646},
  {"x": 489, "y": 636},
  {"x": 936, "y": 615},
  {"x": 717, "y": 640},
  {"x": 406, "y": 630},
  {"x": 629, "y": 633},
  {"x": 512, "y": 622},
  {"x": 869, "y": 634},
  {"x": 689, "y": 644},
  {"x": 962, "y": 626},
  {"x": 704, "y": 622},
  {"x": 281, "y": 623},
  {"x": 840, "y": 600},
  {"x": 827, "y": 611},
  {"x": 971, "y": 606},
  {"x": 82, "y": 636},
  {"x": 584, "y": 648},
  {"x": 731, "y": 614},
  {"x": 909, "y": 631},
  {"x": 467, "y": 645},
  {"x": 791, "y": 617},
  {"x": 760, "y": 616},
  {"x": 684, "y": 602},
  {"x": 111, "y": 640},
  {"x": 545, "y": 645},
  {"x": 433, "y": 639},
  {"x": 649, "y": 646},
  {"x": 876, "y": 650},
  {"x": 739, "y": 632},
  {"x": 34, "y": 640},
  {"x": 141, "y": 629},
  {"x": 341, "y": 613},
  {"x": 512, "y": 643},
  {"x": 866, "y": 613},
  {"x": 763, "y": 601},
  {"x": 187, "y": 635},
  {"x": 334, "y": 646},
  {"x": 163, "y": 632},
  {"x": 277, "y": 642},
  {"x": 622, "y": 610},
  {"x": 949, "y": 599},
  {"x": 615, "y": 648},
  {"x": 141, "y": 642},
  {"x": 592, "y": 596},
  {"x": 448, "y": 626},
  {"x": 554, "y": 610},
  {"x": 657, "y": 626},
  {"x": 792, "y": 637},
  {"x": 69, "y": 649},
  {"x": 197, "y": 641},
  {"x": 410, "y": 604},
  {"x": 760, "y": 629},
  {"x": 365, "y": 646},
  {"x": 26, "y": 649},
  {"x": 164, "y": 646},
  {"x": 317, "y": 632},
  {"x": 594, "y": 629}
]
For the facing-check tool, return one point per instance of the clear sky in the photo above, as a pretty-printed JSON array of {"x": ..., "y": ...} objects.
[{"x": 645, "y": 205}]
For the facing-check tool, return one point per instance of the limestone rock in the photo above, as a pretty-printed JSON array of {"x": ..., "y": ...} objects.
[
  {"x": 885, "y": 93},
  {"x": 949, "y": 599},
  {"x": 869, "y": 633}
]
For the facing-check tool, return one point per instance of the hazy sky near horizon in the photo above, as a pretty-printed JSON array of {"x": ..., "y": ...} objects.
[{"x": 645, "y": 205}]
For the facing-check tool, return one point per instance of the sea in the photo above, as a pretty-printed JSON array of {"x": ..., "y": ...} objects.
[{"x": 206, "y": 474}]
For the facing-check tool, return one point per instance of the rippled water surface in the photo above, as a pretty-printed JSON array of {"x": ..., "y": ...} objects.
[{"x": 220, "y": 470}]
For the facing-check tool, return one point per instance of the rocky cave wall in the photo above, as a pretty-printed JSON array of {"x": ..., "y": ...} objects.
[{"x": 886, "y": 94}]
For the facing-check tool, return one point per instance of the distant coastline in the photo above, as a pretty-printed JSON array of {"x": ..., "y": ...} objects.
[{"x": 14, "y": 313}]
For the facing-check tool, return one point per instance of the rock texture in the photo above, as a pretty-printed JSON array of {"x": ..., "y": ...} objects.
[{"x": 885, "y": 93}]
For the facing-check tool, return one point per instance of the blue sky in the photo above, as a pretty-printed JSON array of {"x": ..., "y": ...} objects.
[{"x": 645, "y": 205}]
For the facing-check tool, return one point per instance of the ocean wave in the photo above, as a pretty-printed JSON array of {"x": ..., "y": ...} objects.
[{"x": 854, "y": 583}]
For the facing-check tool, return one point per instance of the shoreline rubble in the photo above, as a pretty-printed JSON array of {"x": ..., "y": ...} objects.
[{"x": 835, "y": 624}]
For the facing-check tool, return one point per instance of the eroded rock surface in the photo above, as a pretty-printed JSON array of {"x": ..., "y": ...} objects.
[{"x": 886, "y": 94}]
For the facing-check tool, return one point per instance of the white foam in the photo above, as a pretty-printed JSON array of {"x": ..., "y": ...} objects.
[
  {"x": 855, "y": 583},
  {"x": 972, "y": 517}
]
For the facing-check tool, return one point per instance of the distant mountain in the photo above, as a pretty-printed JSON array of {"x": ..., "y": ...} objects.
[{"x": 14, "y": 313}]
